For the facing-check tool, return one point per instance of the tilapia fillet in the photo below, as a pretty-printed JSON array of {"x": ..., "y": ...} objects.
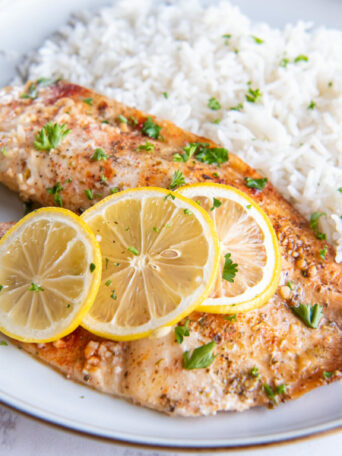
[{"x": 150, "y": 371}]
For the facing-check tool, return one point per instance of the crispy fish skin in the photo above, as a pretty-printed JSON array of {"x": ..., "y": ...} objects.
[{"x": 150, "y": 371}]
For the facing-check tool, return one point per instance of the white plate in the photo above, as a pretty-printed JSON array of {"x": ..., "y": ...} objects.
[{"x": 38, "y": 390}]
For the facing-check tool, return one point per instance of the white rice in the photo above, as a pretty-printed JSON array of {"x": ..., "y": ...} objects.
[{"x": 136, "y": 50}]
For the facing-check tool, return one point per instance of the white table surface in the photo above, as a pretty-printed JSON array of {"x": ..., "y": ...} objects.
[{"x": 23, "y": 436}]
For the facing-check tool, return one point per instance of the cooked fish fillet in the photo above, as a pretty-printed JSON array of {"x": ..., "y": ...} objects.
[{"x": 150, "y": 371}]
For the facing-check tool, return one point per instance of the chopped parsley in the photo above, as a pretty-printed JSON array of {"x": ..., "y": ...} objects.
[
  {"x": 89, "y": 194},
  {"x": 201, "y": 357},
  {"x": 312, "y": 105},
  {"x": 253, "y": 96},
  {"x": 254, "y": 372},
  {"x": 1, "y": 287},
  {"x": 314, "y": 224},
  {"x": 216, "y": 121},
  {"x": 114, "y": 190},
  {"x": 35, "y": 287},
  {"x": 187, "y": 211},
  {"x": 116, "y": 264},
  {"x": 203, "y": 153},
  {"x": 284, "y": 62},
  {"x": 301, "y": 58},
  {"x": 216, "y": 203},
  {"x": 55, "y": 190},
  {"x": 169, "y": 196},
  {"x": 182, "y": 331},
  {"x": 109, "y": 282},
  {"x": 327, "y": 374},
  {"x": 151, "y": 129},
  {"x": 189, "y": 151},
  {"x": 272, "y": 394},
  {"x": 310, "y": 315},
  {"x": 230, "y": 269},
  {"x": 99, "y": 154},
  {"x": 32, "y": 91},
  {"x": 155, "y": 229},
  {"x": 103, "y": 178},
  {"x": 113, "y": 295},
  {"x": 339, "y": 189},
  {"x": 89, "y": 101},
  {"x": 323, "y": 252},
  {"x": 122, "y": 119},
  {"x": 177, "y": 179},
  {"x": 133, "y": 121},
  {"x": 214, "y": 104},
  {"x": 149, "y": 147},
  {"x": 165, "y": 95},
  {"x": 238, "y": 107},
  {"x": 257, "y": 40},
  {"x": 216, "y": 175},
  {"x": 50, "y": 136},
  {"x": 4, "y": 343},
  {"x": 290, "y": 285},
  {"x": 227, "y": 37},
  {"x": 230, "y": 317},
  {"x": 258, "y": 184},
  {"x": 248, "y": 206},
  {"x": 133, "y": 250},
  {"x": 92, "y": 267},
  {"x": 4, "y": 151}
]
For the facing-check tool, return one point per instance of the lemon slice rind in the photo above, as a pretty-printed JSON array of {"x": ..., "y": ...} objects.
[
  {"x": 91, "y": 279},
  {"x": 189, "y": 303},
  {"x": 256, "y": 296}
]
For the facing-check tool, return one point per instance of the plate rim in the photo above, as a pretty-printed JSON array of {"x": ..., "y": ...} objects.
[{"x": 77, "y": 428}]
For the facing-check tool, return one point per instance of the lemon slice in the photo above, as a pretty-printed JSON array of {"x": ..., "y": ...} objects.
[
  {"x": 50, "y": 272},
  {"x": 160, "y": 259},
  {"x": 246, "y": 233}
]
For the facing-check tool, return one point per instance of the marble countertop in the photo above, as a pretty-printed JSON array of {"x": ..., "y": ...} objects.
[{"x": 23, "y": 436}]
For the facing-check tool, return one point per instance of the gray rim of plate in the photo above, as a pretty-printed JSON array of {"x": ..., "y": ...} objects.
[{"x": 151, "y": 442}]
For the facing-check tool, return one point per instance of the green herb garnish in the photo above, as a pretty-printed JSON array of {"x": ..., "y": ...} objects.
[
  {"x": 187, "y": 212},
  {"x": 1, "y": 287},
  {"x": 35, "y": 287},
  {"x": 4, "y": 343},
  {"x": 55, "y": 191},
  {"x": 328, "y": 375},
  {"x": 113, "y": 295},
  {"x": 151, "y": 129},
  {"x": 50, "y": 136},
  {"x": 182, "y": 331},
  {"x": 103, "y": 178},
  {"x": 114, "y": 190},
  {"x": 310, "y": 315},
  {"x": 238, "y": 107},
  {"x": 284, "y": 62},
  {"x": 155, "y": 229},
  {"x": 4, "y": 151},
  {"x": 133, "y": 250},
  {"x": 214, "y": 104},
  {"x": 216, "y": 203},
  {"x": 165, "y": 95},
  {"x": 99, "y": 154},
  {"x": 169, "y": 196},
  {"x": 253, "y": 96},
  {"x": 227, "y": 37},
  {"x": 323, "y": 252},
  {"x": 257, "y": 40},
  {"x": 89, "y": 194},
  {"x": 314, "y": 224},
  {"x": 230, "y": 317},
  {"x": 272, "y": 394},
  {"x": 149, "y": 147},
  {"x": 177, "y": 179},
  {"x": 92, "y": 267},
  {"x": 312, "y": 105},
  {"x": 201, "y": 357},
  {"x": 301, "y": 58},
  {"x": 258, "y": 184},
  {"x": 89, "y": 101},
  {"x": 216, "y": 121},
  {"x": 254, "y": 372},
  {"x": 230, "y": 269},
  {"x": 339, "y": 189}
]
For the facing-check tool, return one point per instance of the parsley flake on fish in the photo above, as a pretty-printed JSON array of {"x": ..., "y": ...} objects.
[
  {"x": 182, "y": 331},
  {"x": 177, "y": 179},
  {"x": 151, "y": 129},
  {"x": 230, "y": 269},
  {"x": 201, "y": 357},
  {"x": 50, "y": 136},
  {"x": 310, "y": 315}
]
